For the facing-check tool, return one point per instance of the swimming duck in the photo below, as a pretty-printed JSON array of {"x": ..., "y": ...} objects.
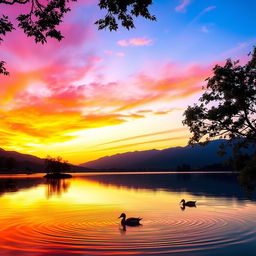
[
  {"x": 188, "y": 203},
  {"x": 129, "y": 221}
]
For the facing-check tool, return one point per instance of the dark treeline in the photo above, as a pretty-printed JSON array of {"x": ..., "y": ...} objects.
[{"x": 7, "y": 163}]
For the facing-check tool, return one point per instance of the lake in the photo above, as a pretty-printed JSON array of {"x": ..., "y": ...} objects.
[{"x": 79, "y": 216}]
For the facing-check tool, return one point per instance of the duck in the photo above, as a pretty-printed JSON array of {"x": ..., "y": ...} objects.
[
  {"x": 130, "y": 221},
  {"x": 188, "y": 203}
]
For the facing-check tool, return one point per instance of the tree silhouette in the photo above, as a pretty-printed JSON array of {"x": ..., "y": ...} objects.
[
  {"x": 56, "y": 165},
  {"x": 123, "y": 10},
  {"x": 227, "y": 109},
  {"x": 43, "y": 17}
]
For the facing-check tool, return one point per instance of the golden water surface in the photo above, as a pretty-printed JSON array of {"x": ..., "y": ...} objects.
[{"x": 79, "y": 216}]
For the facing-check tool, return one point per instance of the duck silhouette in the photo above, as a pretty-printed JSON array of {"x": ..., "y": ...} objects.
[
  {"x": 188, "y": 203},
  {"x": 130, "y": 221}
]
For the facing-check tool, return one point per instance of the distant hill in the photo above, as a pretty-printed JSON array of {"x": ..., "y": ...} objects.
[
  {"x": 23, "y": 162},
  {"x": 20, "y": 156},
  {"x": 166, "y": 159}
]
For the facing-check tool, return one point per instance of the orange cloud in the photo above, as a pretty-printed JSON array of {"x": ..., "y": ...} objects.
[
  {"x": 44, "y": 107},
  {"x": 50, "y": 96},
  {"x": 39, "y": 126}
]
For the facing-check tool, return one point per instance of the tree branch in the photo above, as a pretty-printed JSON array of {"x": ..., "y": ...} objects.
[
  {"x": 252, "y": 110},
  {"x": 14, "y": 2},
  {"x": 248, "y": 121},
  {"x": 231, "y": 130}
]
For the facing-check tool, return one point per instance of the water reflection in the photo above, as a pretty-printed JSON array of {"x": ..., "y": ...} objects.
[
  {"x": 195, "y": 183},
  {"x": 211, "y": 184},
  {"x": 56, "y": 187},
  {"x": 183, "y": 207},
  {"x": 80, "y": 217},
  {"x": 16, "y": 183}
]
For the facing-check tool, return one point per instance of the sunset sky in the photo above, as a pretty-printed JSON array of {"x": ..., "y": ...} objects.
[{"x": 99, "y": 93}]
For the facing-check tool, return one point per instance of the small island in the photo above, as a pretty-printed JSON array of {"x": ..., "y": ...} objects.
[
  {"x": 56, "y": 168},
  {"x": 58, "y": 175}
]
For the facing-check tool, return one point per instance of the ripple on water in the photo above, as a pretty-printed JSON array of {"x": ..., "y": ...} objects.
[{"x": 78, "y": 232}]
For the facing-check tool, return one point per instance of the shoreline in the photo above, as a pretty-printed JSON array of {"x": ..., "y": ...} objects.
[{"x": 119, "y": 172}]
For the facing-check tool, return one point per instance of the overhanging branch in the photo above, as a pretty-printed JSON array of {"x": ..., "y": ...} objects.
[{"x": 14, "y": 2}]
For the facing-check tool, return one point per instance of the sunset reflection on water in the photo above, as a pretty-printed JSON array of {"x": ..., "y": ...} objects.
[{"x": 79, "y": 216}]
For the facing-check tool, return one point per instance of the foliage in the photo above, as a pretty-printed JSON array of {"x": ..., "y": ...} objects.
[
  {"x": 56, "y": 165},
  {"x": 228, "y": 106},
  {"x": 123, "y": 10},
  {"x": 227, "y": 109},
  {"x": 43, "y": 17},
  {"x": 3, "y": 68},
  {"x": 248, "y": 175}
]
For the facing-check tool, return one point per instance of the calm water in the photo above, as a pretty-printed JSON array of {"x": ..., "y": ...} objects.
[{"x": 79, "y": 216}]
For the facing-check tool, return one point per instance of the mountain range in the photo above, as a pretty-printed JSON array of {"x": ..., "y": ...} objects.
[
  {"x": 167, "y": 159},
  {"x": 171, "y": 159},
  {"x": 24, "y": 162}
]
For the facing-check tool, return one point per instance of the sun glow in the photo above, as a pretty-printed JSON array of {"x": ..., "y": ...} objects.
[{"x": 71, "y": 97}]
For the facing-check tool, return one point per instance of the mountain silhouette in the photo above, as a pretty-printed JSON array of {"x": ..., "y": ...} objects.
[
  {"x": 167, "y": 159},
  {"x": 25, "y": 162}
]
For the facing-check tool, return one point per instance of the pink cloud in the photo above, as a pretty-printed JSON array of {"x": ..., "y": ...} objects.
[
  {"x": 121, "y": 54},
  {"x": 55, "y": 89},
  {"x": 203, "y": 12},
  {"x": 109, "y": 52},
  {"x": 57, "y": 105},
  {"x": 59, "y": 92},
  {"x": 123, "y": 43},
  {"x": 139, "y": 41},
  {"x": 182, "y": 6},
  {"x": 31, "y": 56},
  {"x": 208, "y": 9}
]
